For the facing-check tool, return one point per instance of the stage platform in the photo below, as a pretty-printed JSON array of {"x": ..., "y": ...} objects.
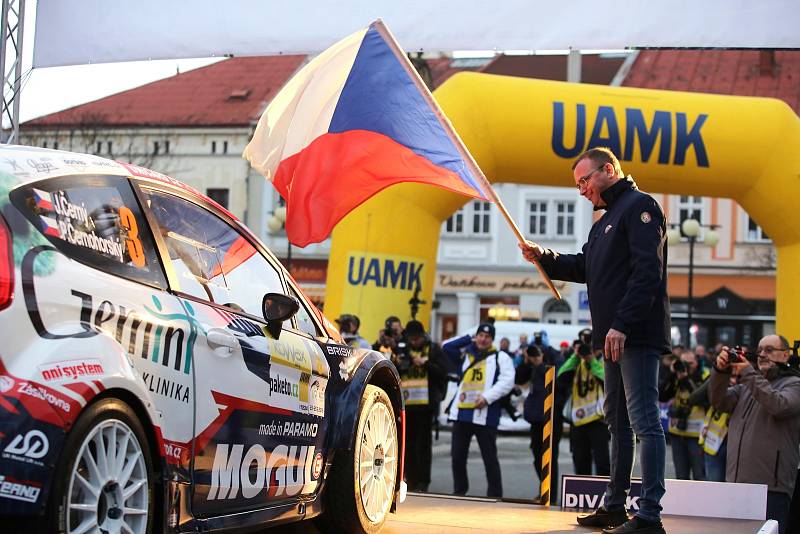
[{"x": 423, "y": 514}]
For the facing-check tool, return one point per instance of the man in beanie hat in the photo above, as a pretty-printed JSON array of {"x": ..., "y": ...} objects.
[
  {"x": 423, "y": 373},
  {"x": 486, "y": 376}
]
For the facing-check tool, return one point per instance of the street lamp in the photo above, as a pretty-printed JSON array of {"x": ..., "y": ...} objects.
[
  {"x": 276, "y": 223},
  {"x": 691, "y": 229}
]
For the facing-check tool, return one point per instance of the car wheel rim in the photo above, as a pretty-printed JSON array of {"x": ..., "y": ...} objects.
[
  {"x": 108, "y": 486},
  {"x": 377, "y": 462}
]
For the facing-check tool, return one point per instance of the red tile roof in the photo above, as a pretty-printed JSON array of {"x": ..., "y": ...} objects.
[
  {"x": 232, "y": 92},
  {"x": 730, "y": 72},
  {"x": 595, "y": 68}
]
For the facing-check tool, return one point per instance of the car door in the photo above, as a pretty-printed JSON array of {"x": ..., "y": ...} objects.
[{"x": 259, "y": 414}]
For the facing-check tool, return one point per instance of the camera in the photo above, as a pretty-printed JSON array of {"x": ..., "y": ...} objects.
[
  {"x": 585, "y": 336},
  {"x": 537, "y": 338},
  {"x": 584, "y": 350},
  {"x": 681, "y": 416},
  {"x": 736, "y": 355},
  {"x": 679, "y": 366}
]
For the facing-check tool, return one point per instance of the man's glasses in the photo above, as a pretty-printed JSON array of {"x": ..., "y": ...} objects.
[
  {"x": 767, "y": 352},
  {"x": 583, "y": 181}
]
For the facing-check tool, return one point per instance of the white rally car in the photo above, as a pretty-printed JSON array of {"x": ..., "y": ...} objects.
[{"x": 160, "y": 370}]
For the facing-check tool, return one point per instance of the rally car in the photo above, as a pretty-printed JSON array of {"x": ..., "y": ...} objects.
[{"x": 160, "y": 370}]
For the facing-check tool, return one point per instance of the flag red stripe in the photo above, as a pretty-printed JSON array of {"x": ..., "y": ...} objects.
[{"x": 340, "y": 171}]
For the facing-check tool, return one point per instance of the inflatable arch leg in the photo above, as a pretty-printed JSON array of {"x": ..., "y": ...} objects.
[{"x": 528, "y": 131}]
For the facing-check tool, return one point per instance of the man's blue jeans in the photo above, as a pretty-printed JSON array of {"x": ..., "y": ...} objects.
[{"x": 631, "y": 406}]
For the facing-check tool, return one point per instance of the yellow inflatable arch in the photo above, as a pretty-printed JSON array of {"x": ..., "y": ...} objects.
[{"x": 529, "y": 131}]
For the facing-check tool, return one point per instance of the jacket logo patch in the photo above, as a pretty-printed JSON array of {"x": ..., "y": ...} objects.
[
  {"x": 646, "y": 218},
  {"x": 608, "y": 228}
]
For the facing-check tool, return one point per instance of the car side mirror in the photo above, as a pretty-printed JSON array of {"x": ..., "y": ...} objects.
[{"x": 277, "y": 308}]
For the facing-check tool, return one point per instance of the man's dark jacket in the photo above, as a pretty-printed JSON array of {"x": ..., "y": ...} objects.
[{"x": 624, "y": 266}]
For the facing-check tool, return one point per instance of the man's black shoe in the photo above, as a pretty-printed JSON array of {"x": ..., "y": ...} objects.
[
  {"x": 603, "y": 518},
  {"x": 637, "y": 525}
]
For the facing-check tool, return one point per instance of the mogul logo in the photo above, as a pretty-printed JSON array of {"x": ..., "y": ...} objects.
[
  {"x": 384, "y": 272},
  {"x": 71, "y": 370},
  {"x": 664, "y": 127},
  {"x": 286, "y": 471}
]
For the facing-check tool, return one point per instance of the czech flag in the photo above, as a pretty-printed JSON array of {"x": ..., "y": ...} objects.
[
  {"x": 353, "y": 121},
  {"x": 43, "y": 199}
]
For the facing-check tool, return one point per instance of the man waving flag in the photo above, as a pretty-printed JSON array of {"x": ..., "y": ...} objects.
[{"x": 353, "y": 121}]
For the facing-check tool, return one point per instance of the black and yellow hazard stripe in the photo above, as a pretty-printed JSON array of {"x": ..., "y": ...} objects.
[{"x": 547, "y": 435}]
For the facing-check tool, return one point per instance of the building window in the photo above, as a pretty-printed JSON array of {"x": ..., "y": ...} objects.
[
  {"x": 455, "y": 224},
  {"x": 166, "y": 147},
  {"x": 537, "y": 218},
  {"x": 98, "y": 147},
  {"x": 224, "y": 147},
  {"x": 55, "y": 145},
  {"x": 690, "y": 207},
  {"x": 565, "y": 219},
  {"x": 44, "y": 145},
  {"x": 480, "y": 217},
  {"x": 213, "y": 147},
  {"x": 755, "y": 234},
  {"x": 156, "y": 147},
  {"x": 220, "y": 196}
]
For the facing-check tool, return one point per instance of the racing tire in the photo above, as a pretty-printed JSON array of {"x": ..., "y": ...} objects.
[
  {"x": 361, "y": 483},
  {"x": 104, "y": 479}
]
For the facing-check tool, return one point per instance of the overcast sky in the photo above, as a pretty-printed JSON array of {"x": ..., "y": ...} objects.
[{"x": 56, "y": 88}]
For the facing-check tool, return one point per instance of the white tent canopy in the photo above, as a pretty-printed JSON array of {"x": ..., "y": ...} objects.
[{"x": 72, "y": 32}]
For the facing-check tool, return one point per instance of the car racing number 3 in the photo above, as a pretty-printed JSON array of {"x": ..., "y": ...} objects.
[{"x": 132, "y": 242}]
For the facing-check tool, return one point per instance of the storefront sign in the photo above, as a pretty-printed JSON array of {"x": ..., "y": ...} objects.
[{"x": 450, "y": 282}]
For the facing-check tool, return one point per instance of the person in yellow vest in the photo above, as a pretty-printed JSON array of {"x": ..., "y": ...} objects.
[
  {"x": 423, "y": 373},
  {"x": 583, "y": 375},
  {"x": 714, "y": 435},
  {"x": 685, "y": 420}
]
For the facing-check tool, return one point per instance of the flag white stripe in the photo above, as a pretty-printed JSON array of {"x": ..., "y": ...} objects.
[{"x": 302, "y": 110}]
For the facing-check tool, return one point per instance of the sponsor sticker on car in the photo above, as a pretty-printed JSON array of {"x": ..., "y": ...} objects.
[
  {"x": 71, "y": 370},
  {"x": 19, "y": 490},
  {"x": 286, "y": 470}
]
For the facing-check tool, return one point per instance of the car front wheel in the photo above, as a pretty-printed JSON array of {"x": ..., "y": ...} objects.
[{"x": 361, "y": 483}]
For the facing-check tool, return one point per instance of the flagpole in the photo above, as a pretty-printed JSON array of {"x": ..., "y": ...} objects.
[{"x": 486, "y": 186}]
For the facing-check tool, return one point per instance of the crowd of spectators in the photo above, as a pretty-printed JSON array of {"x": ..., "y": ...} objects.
[{"x": 731, "y": 413}]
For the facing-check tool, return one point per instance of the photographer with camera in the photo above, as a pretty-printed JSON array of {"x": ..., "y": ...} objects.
[
  {"x": 551, "y": 355},
  {"x": 348, "y": 326},
  {"x": 764, "y": 427},
  {"x": 583, "y": 375},
  {"x": 685, "y": 420},
  {"x": 390, "y": 340},
  {"x": 486, "y": 375},
  {"x": 423, "y": 374}
]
